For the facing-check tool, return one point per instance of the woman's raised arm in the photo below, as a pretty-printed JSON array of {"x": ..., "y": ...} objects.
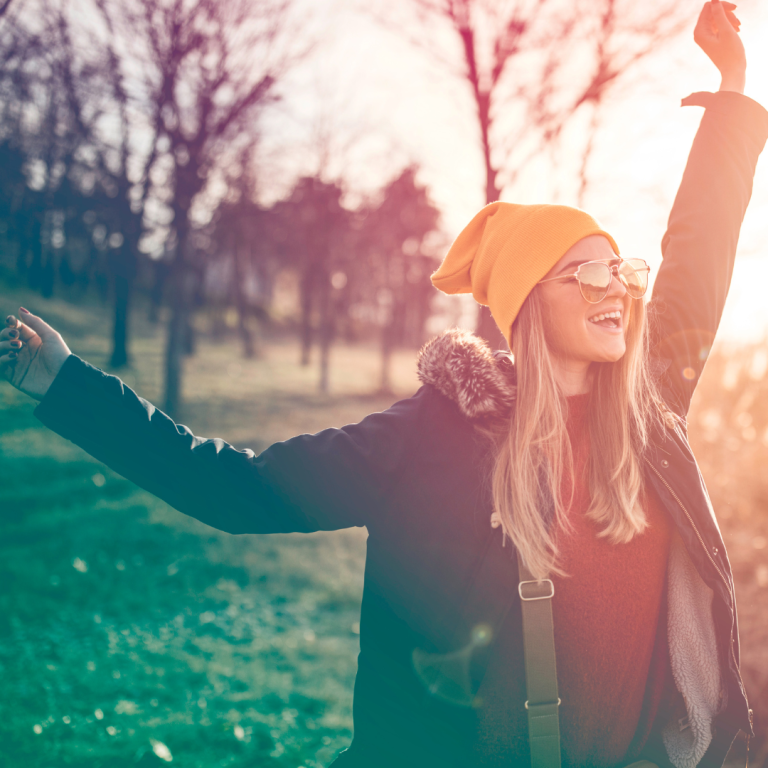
[
  {"x": 337, "y": 478},
  {"x": 699, "y": 245}
]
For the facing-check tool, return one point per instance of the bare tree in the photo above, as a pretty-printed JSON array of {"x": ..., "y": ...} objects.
[
  {"x": 621, "y": 36},
  {"x": 241, "y": 236},
  {"x": 210, "y": 67},
  {"x": 513, "y": 56},
  {"x": 74, "y": 76},
  {"x": 42, "y": 76},
  {"x": 112, "y": 154},
  {"x": 399, "y": 225},
  {"x": 131, "y": 193},
  {"x": 317, "y": 224}
]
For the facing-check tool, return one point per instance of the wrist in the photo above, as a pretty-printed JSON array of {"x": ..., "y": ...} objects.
[{"x": 733, "y": 81}]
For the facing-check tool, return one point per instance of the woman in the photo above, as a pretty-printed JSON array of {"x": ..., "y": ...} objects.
[{"x": 577, "y": 453}]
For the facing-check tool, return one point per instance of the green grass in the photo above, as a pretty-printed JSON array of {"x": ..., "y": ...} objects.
[{"x": 129, "y": 632}]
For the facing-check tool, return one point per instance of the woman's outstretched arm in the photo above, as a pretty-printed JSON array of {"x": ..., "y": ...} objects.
[
  {"x": 699, "y": 245},
  {"x": 337, "y": 478}
]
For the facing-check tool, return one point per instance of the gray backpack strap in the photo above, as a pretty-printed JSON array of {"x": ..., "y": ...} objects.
[{"x": 540, "y": 669}]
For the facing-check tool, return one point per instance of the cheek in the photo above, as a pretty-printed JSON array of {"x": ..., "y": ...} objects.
[{"x": 565, "y": 326}]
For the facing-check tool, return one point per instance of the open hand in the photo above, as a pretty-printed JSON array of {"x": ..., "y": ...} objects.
[
  {"x": 31, "y": 354},
  {"x": 717, "y": 34}
]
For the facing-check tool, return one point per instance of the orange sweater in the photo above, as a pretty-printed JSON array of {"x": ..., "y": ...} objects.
[{"x": 610, "y": 638}]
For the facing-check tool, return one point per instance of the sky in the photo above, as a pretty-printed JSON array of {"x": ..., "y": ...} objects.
[{"x": 368, "y": 101}]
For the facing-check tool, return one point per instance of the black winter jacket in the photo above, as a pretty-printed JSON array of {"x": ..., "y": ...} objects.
[{"x": 416, "y": 477}]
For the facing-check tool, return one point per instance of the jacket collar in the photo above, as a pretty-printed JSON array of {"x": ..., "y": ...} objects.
[{"x": 462, "y": 367}]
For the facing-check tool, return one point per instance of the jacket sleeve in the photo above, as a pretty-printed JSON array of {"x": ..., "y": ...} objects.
[
  {"x": 699, "y": 246},
  {"x": 337, "y": 478}
]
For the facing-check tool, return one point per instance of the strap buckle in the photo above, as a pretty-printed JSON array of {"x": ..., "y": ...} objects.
[
  {"x": 536, "y": 597},
  {"x": 546, "y": 703}
]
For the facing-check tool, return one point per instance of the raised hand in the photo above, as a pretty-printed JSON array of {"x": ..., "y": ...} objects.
[
  {"x": 31, "y": 354},
  {"x": 717, "y": 34}
]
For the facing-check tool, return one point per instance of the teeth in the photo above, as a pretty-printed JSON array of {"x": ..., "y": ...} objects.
[{"x": 597, "y": 318}]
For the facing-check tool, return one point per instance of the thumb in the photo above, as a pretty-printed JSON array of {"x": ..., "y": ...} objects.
[{"x": 36, "y": 324}]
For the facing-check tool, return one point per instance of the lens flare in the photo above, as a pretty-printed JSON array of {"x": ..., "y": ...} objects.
[{"x": 447, "y": 676}]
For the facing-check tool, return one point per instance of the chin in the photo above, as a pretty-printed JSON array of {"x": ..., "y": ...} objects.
[
  {"x": 614, "y": 355},
  {"x": 609, "y": 355}
]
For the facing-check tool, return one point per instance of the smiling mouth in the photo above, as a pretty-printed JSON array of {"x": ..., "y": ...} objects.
[{"x": 607, "y": 319}]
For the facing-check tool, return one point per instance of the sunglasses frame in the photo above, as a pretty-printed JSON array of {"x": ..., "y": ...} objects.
[{"x": 614, "y": 272}]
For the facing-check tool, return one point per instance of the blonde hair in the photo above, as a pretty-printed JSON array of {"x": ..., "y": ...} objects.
[{"x": 533, "y": 452}]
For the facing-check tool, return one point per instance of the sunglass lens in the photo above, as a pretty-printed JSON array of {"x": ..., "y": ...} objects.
[
  {"x": 594, "y": 280},
  {"x": 634, "y": 275}
]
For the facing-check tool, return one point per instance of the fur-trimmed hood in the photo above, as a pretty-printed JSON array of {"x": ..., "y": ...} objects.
[{"x": 462, "y": 367}]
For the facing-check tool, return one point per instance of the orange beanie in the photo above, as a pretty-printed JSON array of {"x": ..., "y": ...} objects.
[{"x": 506, "y": 249}]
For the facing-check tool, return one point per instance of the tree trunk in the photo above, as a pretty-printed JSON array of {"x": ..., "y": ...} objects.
[
  {"x": 182, "y": 279},
  {"x": 184, "y": 282},
  {"x": 23, "y": 245},
  {"x": 190, "y": 336},
  {"x": 193, "y": 286},
  {"x": 386, "y": 300},
  {"x": 249, "y": 350},
  {"x": 35, "y": 272},
  {"x": 486, "y": 327},
  {"x": 307, "y": 296},
  {"x": 246, "y": 335},
  {"x": 326, "y": 329},
  {"x": 386, "y": 359},
  {"x": 123, "y": 286},
  {"x": 162, "y": 271},
  {"x": 124, "y": 270},
  {"x": 48, "y": 274},
  {"x": 175, "y": 343}
]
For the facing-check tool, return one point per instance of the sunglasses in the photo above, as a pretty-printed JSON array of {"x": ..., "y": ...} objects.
[{"x": 595, "y": 277}]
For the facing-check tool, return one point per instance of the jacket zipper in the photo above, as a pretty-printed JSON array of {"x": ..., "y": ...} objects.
[{"x": 714, "y": 564}]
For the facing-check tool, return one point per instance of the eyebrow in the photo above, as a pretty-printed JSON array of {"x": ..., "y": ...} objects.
[{"x": 579, "y": 262}]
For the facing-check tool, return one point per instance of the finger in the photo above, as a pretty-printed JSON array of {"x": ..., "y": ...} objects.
[
  {"x": 14, "y": 325},
  {"x": 730, "y": 15},
  {"x": 7, "y": 361},
  {"x": 9, "y": 333},
  {"x": 719, "y": 16},
  {"x": 13, "y": 345},
  {"x": 26, "y": 333},
  {"x": 36, "y": 325}
]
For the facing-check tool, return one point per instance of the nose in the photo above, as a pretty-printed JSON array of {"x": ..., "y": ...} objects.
[{"x": 616, "y": 289}]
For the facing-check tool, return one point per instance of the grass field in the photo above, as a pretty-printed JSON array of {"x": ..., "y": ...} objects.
[{"x": 130, "y": 634}]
